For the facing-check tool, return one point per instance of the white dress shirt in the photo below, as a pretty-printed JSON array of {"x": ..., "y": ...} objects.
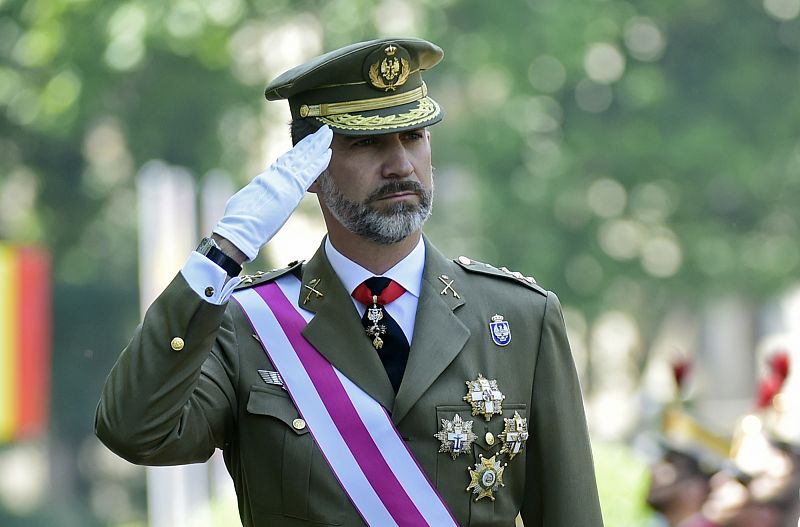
[{"x": 407, "y": 272}]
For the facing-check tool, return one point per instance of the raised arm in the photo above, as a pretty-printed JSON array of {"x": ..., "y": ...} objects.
[{"x": 171, "y": 396}]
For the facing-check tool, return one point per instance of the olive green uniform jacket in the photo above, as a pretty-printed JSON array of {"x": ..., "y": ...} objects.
[{"x": 165, "y": 407}]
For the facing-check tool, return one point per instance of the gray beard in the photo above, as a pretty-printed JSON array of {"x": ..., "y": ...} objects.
[{"x": 386, "y": 225}]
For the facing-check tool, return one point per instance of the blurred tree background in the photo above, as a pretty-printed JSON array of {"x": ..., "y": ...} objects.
[{"x": 632, "y": 156}]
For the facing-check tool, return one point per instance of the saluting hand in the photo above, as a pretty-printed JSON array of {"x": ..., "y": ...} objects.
[{"x": 255, "y": 213}]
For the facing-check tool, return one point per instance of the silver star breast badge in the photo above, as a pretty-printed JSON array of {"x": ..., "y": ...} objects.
[
  {"x": 456, "y": 436},
  {"x": 514, "y": 435},
  {"x": 484, "y": 396}
]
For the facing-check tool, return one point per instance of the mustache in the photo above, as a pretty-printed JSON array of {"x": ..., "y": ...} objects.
[{"x": 393, "y": 187}]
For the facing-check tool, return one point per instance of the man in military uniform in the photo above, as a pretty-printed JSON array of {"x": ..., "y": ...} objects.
[{"x": 379, "y": 383}]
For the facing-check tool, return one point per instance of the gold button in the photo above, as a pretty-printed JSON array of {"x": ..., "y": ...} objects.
[
  {"x": 209, "y": 291},
  {"x": 298, "y": 424},
  {"x": 464, "y": 260},
  {"x": 304, "y": 110},
  {"x": 489, "y": 438},
  {"x": 177, "y": 344}
]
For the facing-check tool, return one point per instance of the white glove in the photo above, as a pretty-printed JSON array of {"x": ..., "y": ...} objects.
[{"x": 255, "y": 213}]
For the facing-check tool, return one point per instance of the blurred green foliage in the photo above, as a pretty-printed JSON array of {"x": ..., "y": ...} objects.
[
  {"x": 631, "y": 156},
  {"x": 622, "y": 482}
]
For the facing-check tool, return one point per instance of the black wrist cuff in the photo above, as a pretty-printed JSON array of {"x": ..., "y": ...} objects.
[{"x": 223, "y": 260}]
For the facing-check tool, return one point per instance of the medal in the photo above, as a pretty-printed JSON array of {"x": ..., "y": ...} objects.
[
  {"x": 514, "y": 435},
  {"x": 484, "y": 397},
  {"x": 500, "y": 330},
  {"x": 375, "y": 315},
  {"x": 456, "y": 436},
  {"x": 486, "y": 478}
]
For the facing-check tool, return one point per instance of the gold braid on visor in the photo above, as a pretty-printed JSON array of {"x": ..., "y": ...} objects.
[
  {"x": 363, "y": 105},
  {"x": 427, "y": 110}
]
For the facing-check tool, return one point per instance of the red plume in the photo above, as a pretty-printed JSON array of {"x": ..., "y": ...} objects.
[
  {"x": 680, "y": 369},
  {"x": 779, "y": 364},
  {"x": 768, "y": 388}
]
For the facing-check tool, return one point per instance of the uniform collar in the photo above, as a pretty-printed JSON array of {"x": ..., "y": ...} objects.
[{"x": 407, "y": 272}]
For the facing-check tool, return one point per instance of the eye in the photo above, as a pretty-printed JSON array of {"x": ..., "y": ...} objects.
[
  {"x": 364, "y": 141},
  {"x": 414, "y": 135}
]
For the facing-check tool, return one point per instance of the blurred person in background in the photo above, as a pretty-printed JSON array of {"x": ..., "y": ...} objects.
[
  {"x": 767, "y": 499},
  {"x": 438, "y": 392},
  {"x": 679, "y": 486},
  {"x": 680, "y": 481},
  {"x": 773, "y": 499},
  {"x": 761, "y": 487}
]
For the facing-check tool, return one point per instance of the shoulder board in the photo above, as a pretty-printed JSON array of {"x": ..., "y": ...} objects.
[
  {"x": 474, "y": 266},
  {"x": 260, "y": 277}
]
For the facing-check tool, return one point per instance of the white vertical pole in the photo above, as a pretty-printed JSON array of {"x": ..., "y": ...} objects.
[
  {"x": 214, "y": 194},
  {"x": 167, "y": 226},
  {"x": 177, "y": 496},
  {"x": 727, "y": 362}
]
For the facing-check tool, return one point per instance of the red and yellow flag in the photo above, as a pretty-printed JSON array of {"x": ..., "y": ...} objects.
[{"x": 24, "y": 341}]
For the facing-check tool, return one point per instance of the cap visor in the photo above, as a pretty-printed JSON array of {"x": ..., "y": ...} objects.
[{"x": 417, "y": 114}]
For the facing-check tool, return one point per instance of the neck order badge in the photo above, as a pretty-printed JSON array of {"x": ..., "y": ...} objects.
[{"x": 353, "y": 431}]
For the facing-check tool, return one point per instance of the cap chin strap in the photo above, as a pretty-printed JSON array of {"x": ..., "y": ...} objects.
[{"x": 363, "y": 105}]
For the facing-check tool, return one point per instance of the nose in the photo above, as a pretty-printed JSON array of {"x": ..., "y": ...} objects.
[{"x": 397, "y": 161}]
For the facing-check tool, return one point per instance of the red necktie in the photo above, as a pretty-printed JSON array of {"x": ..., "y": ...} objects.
[
  {"x": 386, "y": 335},
  {"x": 385, "y": 289}
]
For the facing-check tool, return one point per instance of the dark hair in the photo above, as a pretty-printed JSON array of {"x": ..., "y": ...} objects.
[
  {"x": 690, "y": 464},
  {"x": 300, "y": 128}
]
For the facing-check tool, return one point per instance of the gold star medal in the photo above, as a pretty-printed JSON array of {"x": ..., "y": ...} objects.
[
  {"x": 486, "y": 478},
  {"x": 456, "y": 436},
  {"x": 514, "y": 435},
  {"x": 484, "y": 397}
]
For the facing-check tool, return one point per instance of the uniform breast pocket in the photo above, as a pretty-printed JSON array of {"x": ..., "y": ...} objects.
[
  {"x": 497, "y": 446},
  {"x": 300, "y": 483}
]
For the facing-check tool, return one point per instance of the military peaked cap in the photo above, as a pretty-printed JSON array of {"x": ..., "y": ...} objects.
[{"x": 365, "y": 88}]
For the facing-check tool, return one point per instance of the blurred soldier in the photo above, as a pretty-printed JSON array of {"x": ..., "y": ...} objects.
[
  {"x": 767, "y": 499},
  {"x": 767, "y": 457},
  {"x": 680, "y": 480},
  {"x": 774, "y": 492},
  {"x": 679, "y": 486},
  {"x": 436, "y": 392}
]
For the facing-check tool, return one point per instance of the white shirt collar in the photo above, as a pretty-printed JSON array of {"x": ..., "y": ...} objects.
[{"x": 407, "y": 272}]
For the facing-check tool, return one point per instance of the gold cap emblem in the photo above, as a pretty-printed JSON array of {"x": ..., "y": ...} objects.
[{"x": 390, "y": 68}]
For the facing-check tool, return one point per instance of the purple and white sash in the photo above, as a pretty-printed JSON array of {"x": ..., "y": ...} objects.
[{"x": 354, "y": 432}]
